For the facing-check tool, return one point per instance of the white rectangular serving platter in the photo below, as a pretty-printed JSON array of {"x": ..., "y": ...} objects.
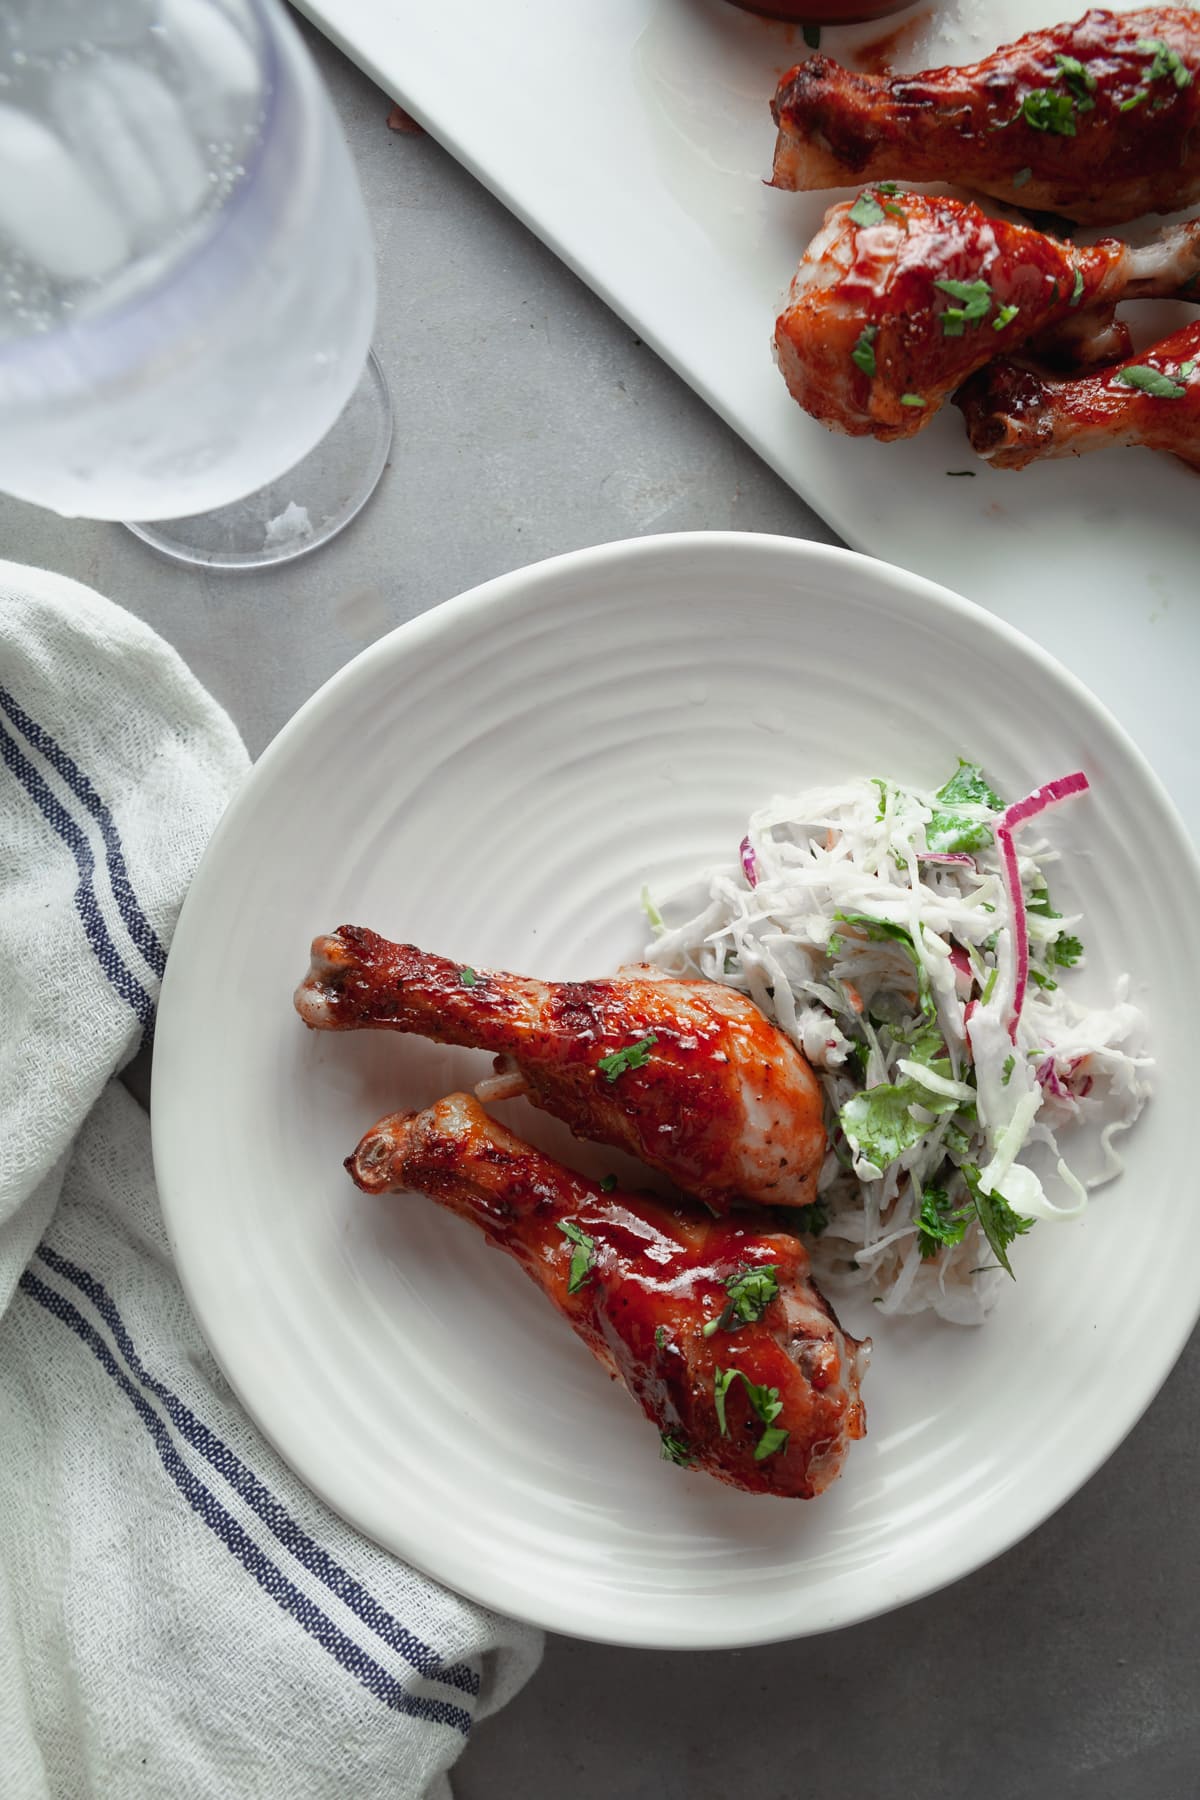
[{"x": 633, "y": 136}]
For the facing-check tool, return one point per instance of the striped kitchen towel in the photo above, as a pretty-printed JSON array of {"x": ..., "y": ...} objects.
[{"x": 178, "y": 1615}]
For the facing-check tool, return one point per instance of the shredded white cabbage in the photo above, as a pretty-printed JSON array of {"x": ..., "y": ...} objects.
[{"x": 897, "y": 976}]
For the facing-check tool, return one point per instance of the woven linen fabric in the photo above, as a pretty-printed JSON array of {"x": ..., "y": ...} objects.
[{"x": 178, "y": 1614}]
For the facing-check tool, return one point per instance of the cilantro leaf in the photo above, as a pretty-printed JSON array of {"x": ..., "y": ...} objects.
[
  {"x": 751, "y": 1290},
  {"x": 976, "y": 297},
  {"x": 634, "y": 1056},
  {"x": 765, "y": 1403},
  {"x": 467, "y": 976},
  {"x": 1005, "y": 316},
  {"x": 866, "y": 210},
  {"x": 863, "y": 353},
  {"x": 887, "y": 187},
  {"x": 676, "y": 1450},
  {"x": 939, "y": 1222},
  {"x": 1000, "y": 1223},
  {"x": 948, "y": 830},
  {"x": 1046, "y": 110},
  {"x": 1151, "y": 381},
  {"x": 1010, "y": 1063},
  {"x": 1039, "y": 903},
  {"x": 1066, "y": 951},
  {"x": 879, "y": 1122},
  {"x": 1166, "y": 62},
  {"x": 582, "y": 1256},
  {"x": 1077, "y": 290},
  {"x": 912, "y": 400},
  {"x": 660, "y": 1337},
  {"x": 1079, "y": 80}
]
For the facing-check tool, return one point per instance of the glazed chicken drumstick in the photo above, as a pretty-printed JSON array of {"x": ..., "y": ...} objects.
[
  {"x": 1099, "y": 120},
  {"x": 901, "y": 296},
  {"x": 687, "y": 1075},
  {"x": 713, "y": 1325},
  {"x": 1015, "y": 416}
]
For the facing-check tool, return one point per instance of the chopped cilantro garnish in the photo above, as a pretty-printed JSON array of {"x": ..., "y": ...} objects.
[
  {"x": 988, "y": 986},
  {"x": 887, "y": 187},
  {"x": 976, "y": 297},
  {"x": 1186, "y": 369},
  {"x": 1039, "y": 903},
  {"x": 1151, "y": 381},
  {"x": 866, "y": 210},
  {"x": 608, "y": 1184},
  {"x": 815, "y": 1218},
  {"x": 1077, "y": 290},
  {"x": 1046, "y": 110},
  {"x": 1021, "y": 177},
  {"x": 581, "y": 1256},
  {"x": 912, "y": 400},
  {"x": 863, "y": 353},
  {"x": 1004, "y": 317},
  {"x": 765, "y": 1402},
  {"x": 660, "y": 1336},
  {"x": 1000, "y": 1223},
  {"x": 634, "y": 1056},
  {"x": 772, "y": 1439},
  {"x": 1010, "y": 1063},
  {"x": 939, "y": 1222},
  {"x": 1081, "y": 81},
  {"x": 1134, "y": 99},
  {"x": 1042, "y": 981},
  {"x": 467, "y": 977},
  {"x": 676, "y": 1450},
  {"x": 1166, "y": 62},
  {"x": 1066, "y": 951},
  {"x": 751, "y": 1290}
]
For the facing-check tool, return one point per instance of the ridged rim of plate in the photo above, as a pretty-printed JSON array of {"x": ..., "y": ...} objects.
[{"x": 530, "y": 591}]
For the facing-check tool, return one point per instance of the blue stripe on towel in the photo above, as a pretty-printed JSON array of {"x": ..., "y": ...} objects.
[
  {"x": 86, "y": 904},
  {"x": 138, "y": 925},
  {"x": 269, "y": 1577},
  {"x": 269, "y": 1509}
]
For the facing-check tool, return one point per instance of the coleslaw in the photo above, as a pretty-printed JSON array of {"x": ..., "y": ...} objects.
[{"x": 907, "y": 943}]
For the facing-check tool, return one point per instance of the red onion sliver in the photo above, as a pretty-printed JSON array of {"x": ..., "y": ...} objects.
[
  {"x": 1029, "y": 808},
  {"x": 1047, "y": 1074},
  {"x": 749, "y": 865}
]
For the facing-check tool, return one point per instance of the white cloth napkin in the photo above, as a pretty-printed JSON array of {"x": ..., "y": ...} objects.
[{"x": 178, "y": 1615}]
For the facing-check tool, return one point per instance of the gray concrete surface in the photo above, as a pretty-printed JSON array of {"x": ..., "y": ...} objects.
[{"x": 530, "y": 421}]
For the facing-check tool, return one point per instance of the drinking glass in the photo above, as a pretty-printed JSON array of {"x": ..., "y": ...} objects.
[{"x": 187, "y": 283}]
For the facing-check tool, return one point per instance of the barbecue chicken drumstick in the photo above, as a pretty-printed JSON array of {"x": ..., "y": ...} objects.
[
  {"x": 901, "y": 296},
  {"x": 1015, "y": 416},
  {"x": 712, "y": 1324},
  {"x": 1099, "y": 120},
  {"x": 687, "y": 1075}
]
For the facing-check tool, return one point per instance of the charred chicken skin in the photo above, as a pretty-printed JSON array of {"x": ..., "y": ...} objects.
[
  {"x": 689, "y": 1076},
  {"x": 1015, "y": 416},
  {"x": 712, "y": 1324},
  {"x": 901, "y": 296},
  {"x": 1099, "y": 120}
]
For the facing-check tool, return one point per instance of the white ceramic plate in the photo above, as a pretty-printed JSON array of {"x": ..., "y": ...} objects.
[
  {"x": 633, "y": 136},
  {"x": 496, "y": 780}
]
